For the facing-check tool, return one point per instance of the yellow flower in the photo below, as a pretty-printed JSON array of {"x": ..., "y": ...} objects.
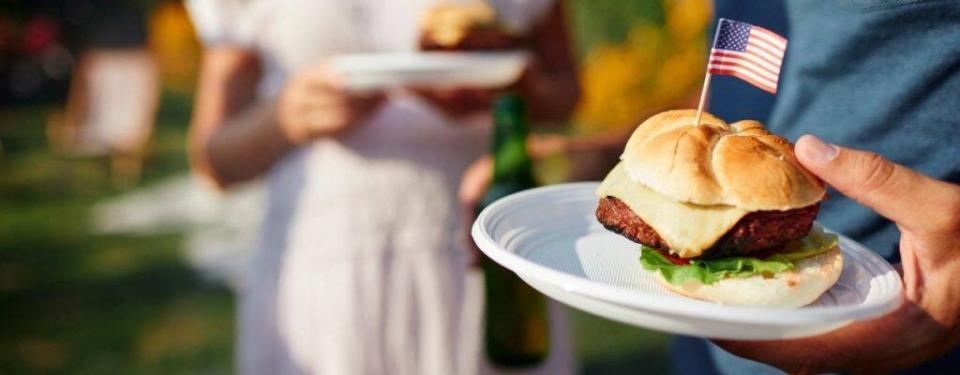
[
  {"x": 654, "y": 68},
  {"x": 687, "y": 18}
]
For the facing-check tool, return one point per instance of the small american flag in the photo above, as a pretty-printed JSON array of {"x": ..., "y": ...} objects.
[{"x": 748, "y": 52}]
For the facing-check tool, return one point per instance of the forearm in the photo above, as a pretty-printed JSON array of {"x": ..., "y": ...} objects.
[
  {"x": 243, "y": 148},
  {"x": 550, "y": 85},
  {"x": 551, "y": 96}
]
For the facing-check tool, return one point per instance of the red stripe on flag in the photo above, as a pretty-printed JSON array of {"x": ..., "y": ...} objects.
[
  {"x": 764, "y": 78},
  {"x": 748, "y": 63},
  {"x": 772, "y": 35},
  {"x": 763, "y": 56},
  {"x": 746, "y": 55},
  {"x": 766, "y": 47},
  {"x": 763, "y": 86},
  {"x": 760, "y": 75},
  {"x": 760, "y": 40},
  {"x": 775, "y": 54}
]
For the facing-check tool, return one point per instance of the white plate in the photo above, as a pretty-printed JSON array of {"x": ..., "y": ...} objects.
[
  {"x": 550, "y": 237},
  {"x": 380, "y": 71}
]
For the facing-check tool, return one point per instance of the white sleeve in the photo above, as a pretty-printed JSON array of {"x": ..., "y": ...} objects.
[{"x": 228, "y": 22}]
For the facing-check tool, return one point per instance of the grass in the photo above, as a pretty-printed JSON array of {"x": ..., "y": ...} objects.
[
  {"x": 76, "y": 302},
  {"x": 597, "y": 22},
  {"x": 608, "y": 347}
]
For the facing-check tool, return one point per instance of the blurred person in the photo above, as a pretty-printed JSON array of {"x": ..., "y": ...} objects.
[
  {"x": 875, "y": 76},
  {"x": 360, "y": 268},
  {"x": 115, "y": 90}
]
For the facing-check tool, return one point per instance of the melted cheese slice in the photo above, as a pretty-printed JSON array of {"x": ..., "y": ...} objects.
[{"x": 687, "y": 228}]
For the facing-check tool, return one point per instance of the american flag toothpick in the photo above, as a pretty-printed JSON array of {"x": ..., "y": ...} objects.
[{"x": 745, "y": 51}]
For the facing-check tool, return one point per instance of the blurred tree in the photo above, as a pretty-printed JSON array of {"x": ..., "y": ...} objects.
[
  {"x": 639, "y": 57},
  {"x": 609, "y": 21}
]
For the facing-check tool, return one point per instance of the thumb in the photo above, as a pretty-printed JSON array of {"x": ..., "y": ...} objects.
[{"x": 910, "y": 199}]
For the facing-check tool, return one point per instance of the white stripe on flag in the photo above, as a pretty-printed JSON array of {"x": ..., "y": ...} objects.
[
  {"x": 761, "y": 53},
  {"x": 765, "y": 78},
  {"x": 768, "y": 37},
  {"x": 762, "y": 86},
  {"x": 747, "y": 64},
  {"x": 766, "y": 47},
  {"x": 773, "y": 65},
  {"x": 773, "y": 36},
  {"x": 759, "y": 60}
]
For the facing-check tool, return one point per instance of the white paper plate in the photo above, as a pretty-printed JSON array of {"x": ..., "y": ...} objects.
[
  {"x": 380, "y": 71},
  {"x": 551, "y": 238}
]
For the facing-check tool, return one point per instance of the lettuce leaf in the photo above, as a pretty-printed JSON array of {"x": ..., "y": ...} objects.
[{"x": 713, "y": 270}]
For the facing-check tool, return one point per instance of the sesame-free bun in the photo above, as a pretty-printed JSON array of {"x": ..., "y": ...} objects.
[
  {"x": 464, "y": 26},
  {"x": 740, "y": 164},
  {"x": 802, "y": 285}
]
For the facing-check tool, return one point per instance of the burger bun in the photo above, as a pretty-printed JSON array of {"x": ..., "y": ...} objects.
[{"x": 802, "y": 285}]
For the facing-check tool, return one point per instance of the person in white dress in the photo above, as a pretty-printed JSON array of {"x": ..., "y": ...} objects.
[{"x": 360, "y": 267}]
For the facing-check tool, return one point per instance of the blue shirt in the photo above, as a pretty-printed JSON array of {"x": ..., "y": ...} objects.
[
  {"x": 877, "y": 75},
  {"x": 880, "y": 75}
]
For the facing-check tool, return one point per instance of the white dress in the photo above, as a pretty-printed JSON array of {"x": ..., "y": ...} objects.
[{"x": 360, "y": 269}]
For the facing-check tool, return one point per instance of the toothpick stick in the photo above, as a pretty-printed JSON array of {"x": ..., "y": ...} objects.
[
  {"x": 703, "y": 97},
  {"x": 706, "y": 77}
]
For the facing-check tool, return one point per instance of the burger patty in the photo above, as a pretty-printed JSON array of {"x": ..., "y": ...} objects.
[{"x": 755, "y": 232}]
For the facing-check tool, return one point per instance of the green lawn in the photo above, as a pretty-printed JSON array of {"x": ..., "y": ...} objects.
[{"x": 76, "y": 302}]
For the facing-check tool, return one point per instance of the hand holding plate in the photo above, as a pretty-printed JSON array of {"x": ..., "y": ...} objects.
[
  {"x": 927, "y": 211},
  {"x": 315, "y": 104}
]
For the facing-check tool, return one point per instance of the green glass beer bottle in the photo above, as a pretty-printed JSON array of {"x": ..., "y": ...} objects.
[{"x": 516, "y": 329}]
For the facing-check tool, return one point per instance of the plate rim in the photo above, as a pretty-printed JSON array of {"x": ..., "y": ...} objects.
[
  {"x": 469, "y": 59},
  {"x": 616, "y": 312},
  {"x": 681, "y": 306},
  {"x": 377, "y": 71}
]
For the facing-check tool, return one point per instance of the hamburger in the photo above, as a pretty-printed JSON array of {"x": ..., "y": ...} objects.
[
  {"x": 723, "y": 212},
  {"x": 466, "y": 26}
]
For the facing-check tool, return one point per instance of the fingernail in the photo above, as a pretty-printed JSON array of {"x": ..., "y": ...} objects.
[{"x": 818, "y": 151}]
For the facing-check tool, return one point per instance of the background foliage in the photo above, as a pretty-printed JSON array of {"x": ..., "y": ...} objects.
[{"x": 645, "y": 56}]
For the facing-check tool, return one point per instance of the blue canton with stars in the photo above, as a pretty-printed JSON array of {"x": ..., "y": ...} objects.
[{"x": 732, "y": 35}]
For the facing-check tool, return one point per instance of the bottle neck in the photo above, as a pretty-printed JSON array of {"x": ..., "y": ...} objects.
[{"x": 511, "y": 161}]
